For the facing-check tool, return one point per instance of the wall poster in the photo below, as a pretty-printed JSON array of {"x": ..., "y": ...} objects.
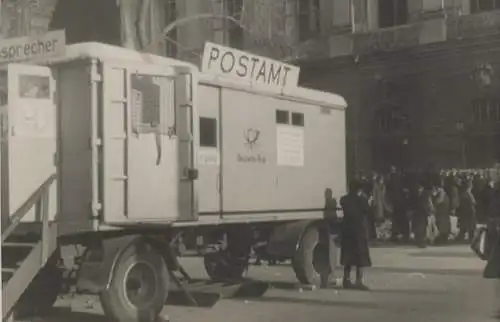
[
  {"x": 290, "y": 146},
  {"x": 208, "y": 156}
]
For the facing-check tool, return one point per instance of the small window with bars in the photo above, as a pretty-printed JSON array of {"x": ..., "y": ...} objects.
[{"x": 153, "y": 107}]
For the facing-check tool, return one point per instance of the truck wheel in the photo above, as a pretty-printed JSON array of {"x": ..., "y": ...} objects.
[
  {"x": 43, "y": 292},
  {"x": 139, "y": 286},
  {"x": 310, "y": 258},
  {"x": 221, "y": 266}
]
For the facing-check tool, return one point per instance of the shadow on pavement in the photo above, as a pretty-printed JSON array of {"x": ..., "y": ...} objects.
[
  {"x": 409, "y": 291},
  {"x": 437, "y": 271},
  {"x": 207, "y": 294},
  {"x": 318, "y": 302},
  {"x": 444, "y": 254},
  {"x": 66, "y": 315}
]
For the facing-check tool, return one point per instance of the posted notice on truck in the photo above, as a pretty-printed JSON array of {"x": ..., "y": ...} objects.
[
  {"x": 237, "y": 64},
  {"x": 27, "y": 48}
]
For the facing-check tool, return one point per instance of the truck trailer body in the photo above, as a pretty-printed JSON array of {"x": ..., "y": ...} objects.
[{"x": 125, "y": 153}]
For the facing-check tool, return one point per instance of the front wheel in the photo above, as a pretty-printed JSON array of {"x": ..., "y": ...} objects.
[{"x": 139, "y": 286}]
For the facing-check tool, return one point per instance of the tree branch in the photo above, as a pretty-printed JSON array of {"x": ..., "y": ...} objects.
[{"x": 185, "y": 20}]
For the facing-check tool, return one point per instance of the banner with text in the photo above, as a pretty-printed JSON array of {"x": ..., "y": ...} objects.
[
  {"x": 237, "y": 64},
  {"x": 26, "y": 48}
]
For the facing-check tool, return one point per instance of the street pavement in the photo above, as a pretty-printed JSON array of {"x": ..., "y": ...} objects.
[{"x": 407, "y": 284}]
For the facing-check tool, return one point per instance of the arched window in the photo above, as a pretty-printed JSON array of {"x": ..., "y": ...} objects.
[
  {"x": 486, "y": 110},
  {"x": 391, "y": 119}
]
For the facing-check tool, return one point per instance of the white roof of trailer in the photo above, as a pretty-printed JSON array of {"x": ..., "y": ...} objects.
[
  {"x": 105, "y": 52},
  {"x": 297, "y": 92}
]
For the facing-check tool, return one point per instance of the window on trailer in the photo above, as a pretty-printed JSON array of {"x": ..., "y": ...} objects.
[
  {"x": 152, "y": 104},
  {"x": 297, "y": 119},
  {"x": 208, "y": 132},
  {"x": 282, "y": 117}
]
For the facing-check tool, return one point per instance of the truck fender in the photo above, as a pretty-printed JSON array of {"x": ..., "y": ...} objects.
[
  {"x": 99, "y": 263},
  {"x": 285, "y": 238}
]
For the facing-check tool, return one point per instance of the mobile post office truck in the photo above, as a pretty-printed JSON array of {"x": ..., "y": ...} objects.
[{"x": 134, "y": 159}]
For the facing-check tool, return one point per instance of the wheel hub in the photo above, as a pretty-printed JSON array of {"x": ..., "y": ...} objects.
[{"x": 140, "y": 285}]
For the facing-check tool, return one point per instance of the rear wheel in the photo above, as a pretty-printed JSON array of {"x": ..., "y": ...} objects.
[{"x": 139, "y": 286}]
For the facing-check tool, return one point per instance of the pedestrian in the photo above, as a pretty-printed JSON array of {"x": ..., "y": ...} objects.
[
  {"x": 327, "y": 232},
  {"x": 443, "y": 220},
  {"x": 379, "y": 205},
  {"x": 484, "y": 199},
  {"x": 466, "y": 212},
  {"x": 355, "y": 251},
  {"x": 397, "y": 202},
  {"x": 423, "y": 210}
]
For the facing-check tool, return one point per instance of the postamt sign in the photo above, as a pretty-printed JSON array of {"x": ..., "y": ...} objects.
[
  {"x": 237, "y": 64},
  {"x": 26, "y": 48}
]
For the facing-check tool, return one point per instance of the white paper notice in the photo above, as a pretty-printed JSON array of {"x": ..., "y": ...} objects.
[
  {"x": 208, "y": 156},
  {"x": 290, "y": 146},
  {"x": 35, "y": 119}
]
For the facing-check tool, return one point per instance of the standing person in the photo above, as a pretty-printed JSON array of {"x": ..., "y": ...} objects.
[
  {"x": 328, "y": 230},
  {"x": 397, "y": 202},
  {"x": 354, "y": 243},
  {"x": 484, "y": 199},
  {"x": 443, "y": 222},
  {"x": 424, "y": 209},
  {"x": 466, "y": 212},
  {"x": 378, "y": 204}
]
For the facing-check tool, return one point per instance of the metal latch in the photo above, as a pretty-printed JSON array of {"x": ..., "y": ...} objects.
[{"x": 192, "y": 174}]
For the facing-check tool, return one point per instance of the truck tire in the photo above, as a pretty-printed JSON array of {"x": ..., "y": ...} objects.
[
  {"x": 139, "y": 285},
  {"x": 43, "y": 292},
  {"x": 310, "y": 260},
  {"x": 221, "y": 266}
]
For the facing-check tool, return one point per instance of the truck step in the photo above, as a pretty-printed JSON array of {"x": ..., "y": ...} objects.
[
  {"x": 19, "y": 244},
  {"x": 15, "y": 252},
  {"x": 7, "y": 274}
]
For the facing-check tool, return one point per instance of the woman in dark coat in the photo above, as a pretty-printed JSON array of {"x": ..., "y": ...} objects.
[{"x": 354, "y": 243}]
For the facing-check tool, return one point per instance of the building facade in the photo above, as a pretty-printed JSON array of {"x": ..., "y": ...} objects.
[{"x": 421, "y": 78}]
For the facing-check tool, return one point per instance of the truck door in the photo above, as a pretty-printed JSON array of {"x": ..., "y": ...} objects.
[
  {"x": 140, "y": 170},
  {"x": 29, "y": 136},
  {"x": 210, "y": 183}
]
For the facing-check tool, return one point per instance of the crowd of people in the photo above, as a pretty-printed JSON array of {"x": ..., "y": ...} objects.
[{"x": 419, "y": 205}]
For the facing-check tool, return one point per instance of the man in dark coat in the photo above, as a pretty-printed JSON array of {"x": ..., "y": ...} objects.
[{"x": 354, "y": 243}]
